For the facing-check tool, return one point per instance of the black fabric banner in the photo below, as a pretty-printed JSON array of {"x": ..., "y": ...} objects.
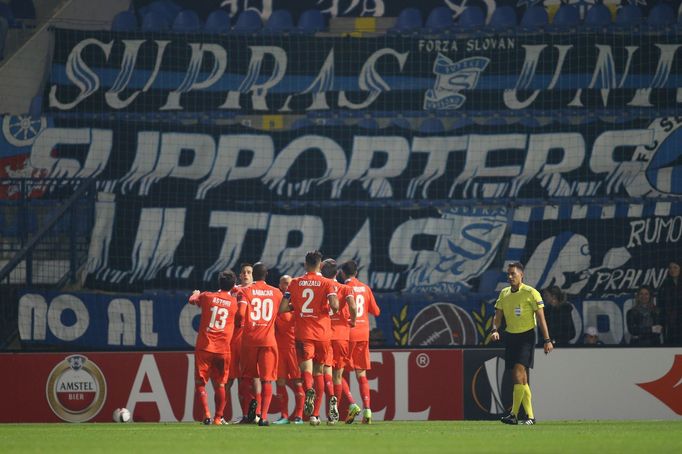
[{"x": 499, "y": 75}]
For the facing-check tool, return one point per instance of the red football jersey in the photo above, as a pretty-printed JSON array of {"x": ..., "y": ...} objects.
[
  {"x": 262, "y": 304},
  {"x": 285, "y": 328},
  {"x": 311, "y": 308},
  {"x": 365, "y": 304},
  {"x": 218, "y": 311},
  {"x": 340, "y": 325}
]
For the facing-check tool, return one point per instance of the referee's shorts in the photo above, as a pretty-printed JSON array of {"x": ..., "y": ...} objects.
[{"x": 519, "y": 349}]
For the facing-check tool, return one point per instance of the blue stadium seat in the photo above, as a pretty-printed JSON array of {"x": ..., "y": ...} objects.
[
  {"x": 217, "y": 22},
  {"x": 248, "y": 21},
  {"x": 154, "y": 22},
  {"x": 503, "y": 17},
  {"x": 302, "y": 122},
  {"x": 440, "y": 18},
  {"x": 661, "y": 15},
  {"x": 4, "y": 29},
  {"x": 311, "y": 21},
  {"x": 409, "y": 19},
  {"x": 535, "y": 17},
  {"x": 598, "y": 16},
  {"x": 187, "y": 21},
  {"x": 6, "y": 12},
  {"x": 628, "y": 16},
  {"x": 401, "y": 122},
  {"x": 566, "y": 16},
  {"x": 125, "y": 21},
  {"x": 168, "y": 9},
  {"x": 431, "y": 125},
  {"x": 368, "y": 123},
  {"x": 471, "y": 17},
  {"x": 279, "y": 21},
  {"x": 23, "y": 9}
]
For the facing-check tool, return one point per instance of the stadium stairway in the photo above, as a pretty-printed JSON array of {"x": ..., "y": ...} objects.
[{"x": 26, "y": 49}]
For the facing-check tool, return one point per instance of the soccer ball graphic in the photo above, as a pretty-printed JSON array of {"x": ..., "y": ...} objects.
[{"x": 122, "y": 415}]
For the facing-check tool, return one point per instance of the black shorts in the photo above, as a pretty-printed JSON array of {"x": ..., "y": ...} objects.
[{"x": 519, "y": 349}]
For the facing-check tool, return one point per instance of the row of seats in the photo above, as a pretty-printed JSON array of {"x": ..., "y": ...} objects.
[
  {"x": 18, "y": 13},
  {"x": 410, "y": 19},
  {"x": 535, "y": 17},
  {"x": 218, "y": 21}
]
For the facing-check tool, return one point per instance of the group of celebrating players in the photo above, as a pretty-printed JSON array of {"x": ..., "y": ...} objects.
[{"x": 306, "y": 332}]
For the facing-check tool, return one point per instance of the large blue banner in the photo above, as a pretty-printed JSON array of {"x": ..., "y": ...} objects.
[{"x": 164, "y": 320}]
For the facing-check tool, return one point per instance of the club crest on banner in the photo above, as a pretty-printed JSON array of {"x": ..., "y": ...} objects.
[
  {"x": 451, "y": 79},
  {"x": 467, "y": 240}
]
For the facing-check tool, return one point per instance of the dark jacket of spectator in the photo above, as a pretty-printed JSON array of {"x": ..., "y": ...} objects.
[{"x": 669, "y": 303}]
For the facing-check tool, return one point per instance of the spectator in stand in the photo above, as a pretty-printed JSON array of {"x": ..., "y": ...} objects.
[
  {"x": 670, "y": 305},
  {"x": 591, "y": 337},
  {"x": 559, "y": 315},
  {"x": 643, "y": 320}
]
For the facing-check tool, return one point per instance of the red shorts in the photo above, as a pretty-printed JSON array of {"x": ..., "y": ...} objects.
[
  {"x": 208, "y": 365},
  {"x": 287, "y": 362},
  {"x": 236, "y": 349},
  {"x": 359, "y": 355},
  {"x": 259, "y": 362},
  {"x": 319, "y": 351},
  {"x": 340, "y": 354}
]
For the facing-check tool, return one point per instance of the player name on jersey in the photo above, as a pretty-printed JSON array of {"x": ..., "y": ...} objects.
[
  {"x": 221, "y": 302},
  {"x": 309, "y": 283},
  {"x": 260, "y": 292}
]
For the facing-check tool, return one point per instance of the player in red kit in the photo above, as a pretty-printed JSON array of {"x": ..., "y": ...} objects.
[
  {"x": 287, "y": 363},
  {"x": 219, "y": 313},
  {"x": 244, "y": 388},
  {"x": 259, "y": 346},
  {"x": 340, "y": 341},
  {"x": 310, "y": 297},
  {"x": 359, "y": 334}
]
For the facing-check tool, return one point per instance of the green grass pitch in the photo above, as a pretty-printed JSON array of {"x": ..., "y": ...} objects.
[{"x": 396, "y": 436}]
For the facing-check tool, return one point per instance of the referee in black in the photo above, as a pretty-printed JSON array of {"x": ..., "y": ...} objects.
[{"x": 519, "y": 305}]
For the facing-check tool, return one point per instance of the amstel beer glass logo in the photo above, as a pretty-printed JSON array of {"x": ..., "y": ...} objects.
[{"x": 76, "y": 389}]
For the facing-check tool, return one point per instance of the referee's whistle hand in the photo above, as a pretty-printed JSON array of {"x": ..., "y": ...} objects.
[
  {"x": 549, "y": 347},
  {"x": 494, "y": 337}
]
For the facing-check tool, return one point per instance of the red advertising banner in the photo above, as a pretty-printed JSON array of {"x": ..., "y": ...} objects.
[{"x": 73, "y": 387}]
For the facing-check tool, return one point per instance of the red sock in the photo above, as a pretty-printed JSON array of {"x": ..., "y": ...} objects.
[
  {"x": 346, "y": 392},
  {"x": 267, "y": 398},
  {"x": 245, "y": 395},
  {"x": 259, "y": 398},
  {"x": 203, "y": 398},
  {"x": 364, "y": 391},
  {"x": 338, "y": 392},
  {"x": 219, "y": 402},
  {"x": 283, "y": 397},
  {"x": 307, "y": 380},
  {"x": 328, "y": 386},
  {"x": 300, "y": 400},
  {"x": 319, "y": 391}
]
